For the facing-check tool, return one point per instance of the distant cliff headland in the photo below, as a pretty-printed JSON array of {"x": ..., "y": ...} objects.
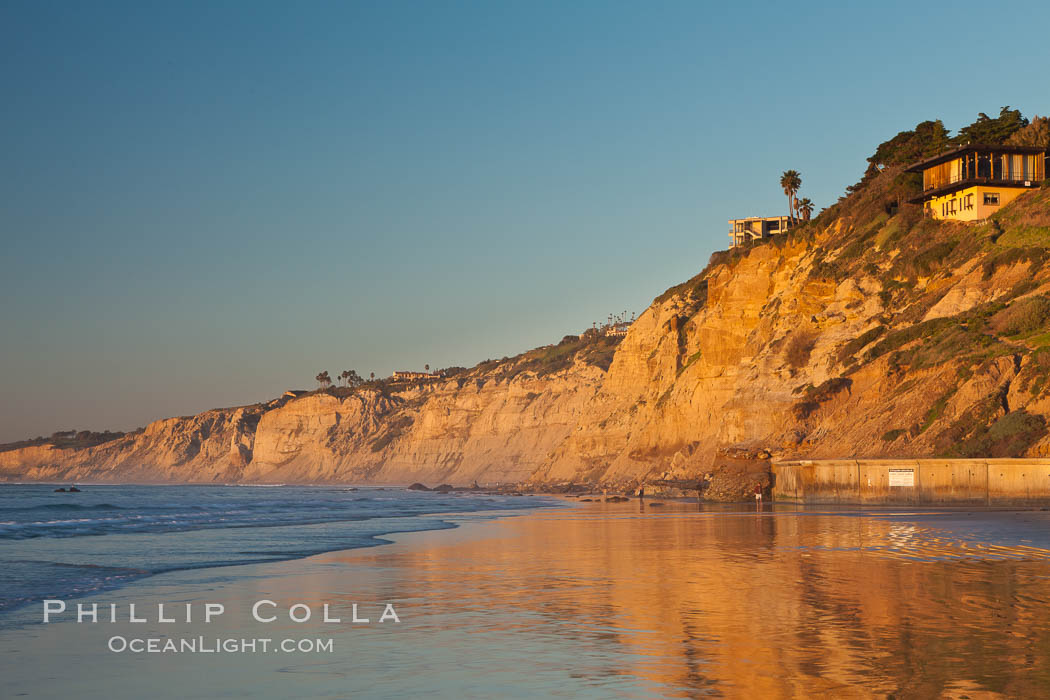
[{"x": 872, "y": 330}]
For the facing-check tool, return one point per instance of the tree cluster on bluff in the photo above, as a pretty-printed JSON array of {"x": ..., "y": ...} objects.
[{"x": 929, "y": 138}]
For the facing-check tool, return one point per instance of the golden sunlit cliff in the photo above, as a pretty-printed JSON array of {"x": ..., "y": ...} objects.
[{"x": 869, "y": 331}]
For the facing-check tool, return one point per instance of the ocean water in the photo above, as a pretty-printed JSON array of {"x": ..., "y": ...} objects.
[
  {"x": 601, "y": 600},
  {"x": 64, "y": 545}
]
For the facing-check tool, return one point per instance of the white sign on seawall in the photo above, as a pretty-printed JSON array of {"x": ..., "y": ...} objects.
[{"x": 902, "y": 477}]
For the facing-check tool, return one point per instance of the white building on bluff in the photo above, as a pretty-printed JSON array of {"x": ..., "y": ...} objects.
[{"x": 753, "y": 228}]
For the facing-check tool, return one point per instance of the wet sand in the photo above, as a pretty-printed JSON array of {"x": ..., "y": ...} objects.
[{"x": 607, "y": 600}]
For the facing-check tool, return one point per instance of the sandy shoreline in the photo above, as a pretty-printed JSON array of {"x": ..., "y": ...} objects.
[{"x": 602, "y": 600}]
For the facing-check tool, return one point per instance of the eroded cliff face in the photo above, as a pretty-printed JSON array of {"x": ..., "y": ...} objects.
[
  {"x": 894, "y": 336},
  {"x": 869, "y": 332},
  {"x": 213, "y": 446},
  {"x": 479, "y": 428},
  {"x": 483, "y": 427},
  {"x": 695, "y": 373}
]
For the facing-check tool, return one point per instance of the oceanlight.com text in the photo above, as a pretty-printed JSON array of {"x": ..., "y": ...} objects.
[{"x": 218, "y": 645}]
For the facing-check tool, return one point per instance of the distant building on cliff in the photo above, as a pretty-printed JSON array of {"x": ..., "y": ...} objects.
[
  {"x": 616, "y": 326},
  {"x": 407, "y": 376},
  {"x": 753, "y": 228},
  {"x": 972, "y": 182}
]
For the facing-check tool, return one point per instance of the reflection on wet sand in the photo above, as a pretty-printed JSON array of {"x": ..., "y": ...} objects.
[
  {"x": 606, "y": 600},
  {"x": 765, "y": 604}
]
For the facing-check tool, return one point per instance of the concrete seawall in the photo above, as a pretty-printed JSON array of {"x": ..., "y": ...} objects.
[{"x": 913, "y": 481}]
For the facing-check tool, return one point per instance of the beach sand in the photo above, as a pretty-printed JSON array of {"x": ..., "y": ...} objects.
[{"x": 602, "y": 600}]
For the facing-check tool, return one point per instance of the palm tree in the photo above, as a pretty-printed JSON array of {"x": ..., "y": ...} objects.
[
  {"x": 372, "y": 376},
  {"x": 324, "y": 380},
  {"x": 426, "y": 368},
  {"x": 790, "y": 181},
  {"x": 805, "y": 207}
]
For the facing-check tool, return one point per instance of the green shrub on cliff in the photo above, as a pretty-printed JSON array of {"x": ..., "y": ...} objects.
[
  {"x": 592, "y": 348},
  {"x": 936, "y": 411},
  {"x": 930, "y": 259},
  {"x": 69, "y": 439},
  {"x": 1035, "y": 372},
  {"x": 900, "y": 338},
  {"x": 600, "y": 353},
  {"x": 1035, "y": 257},
  {"x": 1009, "y": 436},
  {"x": 694, "y": 289},
  {"x": 891, "y": 435},
  {"x": 1023, "y": 317},
  {"x": 1025, "y": 236}
]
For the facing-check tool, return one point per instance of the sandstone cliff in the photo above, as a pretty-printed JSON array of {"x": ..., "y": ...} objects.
[
  {"x": 494, "y": 425},
  {"x": 871, "y": 331},
  {"x": 877, "y": 335}
]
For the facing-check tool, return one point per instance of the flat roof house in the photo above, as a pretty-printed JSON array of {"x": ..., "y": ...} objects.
[
  {"x": 408, "y": 376},
  {"x": 972, "y": 182},
  {"x": 752, "y": 228}
]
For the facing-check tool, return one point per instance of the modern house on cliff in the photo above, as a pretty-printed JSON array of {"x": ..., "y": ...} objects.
[
  {"x": 753, "y": 228},
  {"x": 409, "y": 376},
  {"x": 972, "y": 182}
]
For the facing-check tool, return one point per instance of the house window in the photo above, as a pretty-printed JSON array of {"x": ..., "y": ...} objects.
[
  {"x": 984, "y": 165},
  {"x": 991, "y": 199},
  {"x": 968, "y": 204}
]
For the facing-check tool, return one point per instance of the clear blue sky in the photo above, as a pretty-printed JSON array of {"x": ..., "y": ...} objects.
[{"x": 206, "y": 203}]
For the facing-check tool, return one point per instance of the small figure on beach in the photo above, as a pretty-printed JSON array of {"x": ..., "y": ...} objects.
[{"x": 758, "y": 493}]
